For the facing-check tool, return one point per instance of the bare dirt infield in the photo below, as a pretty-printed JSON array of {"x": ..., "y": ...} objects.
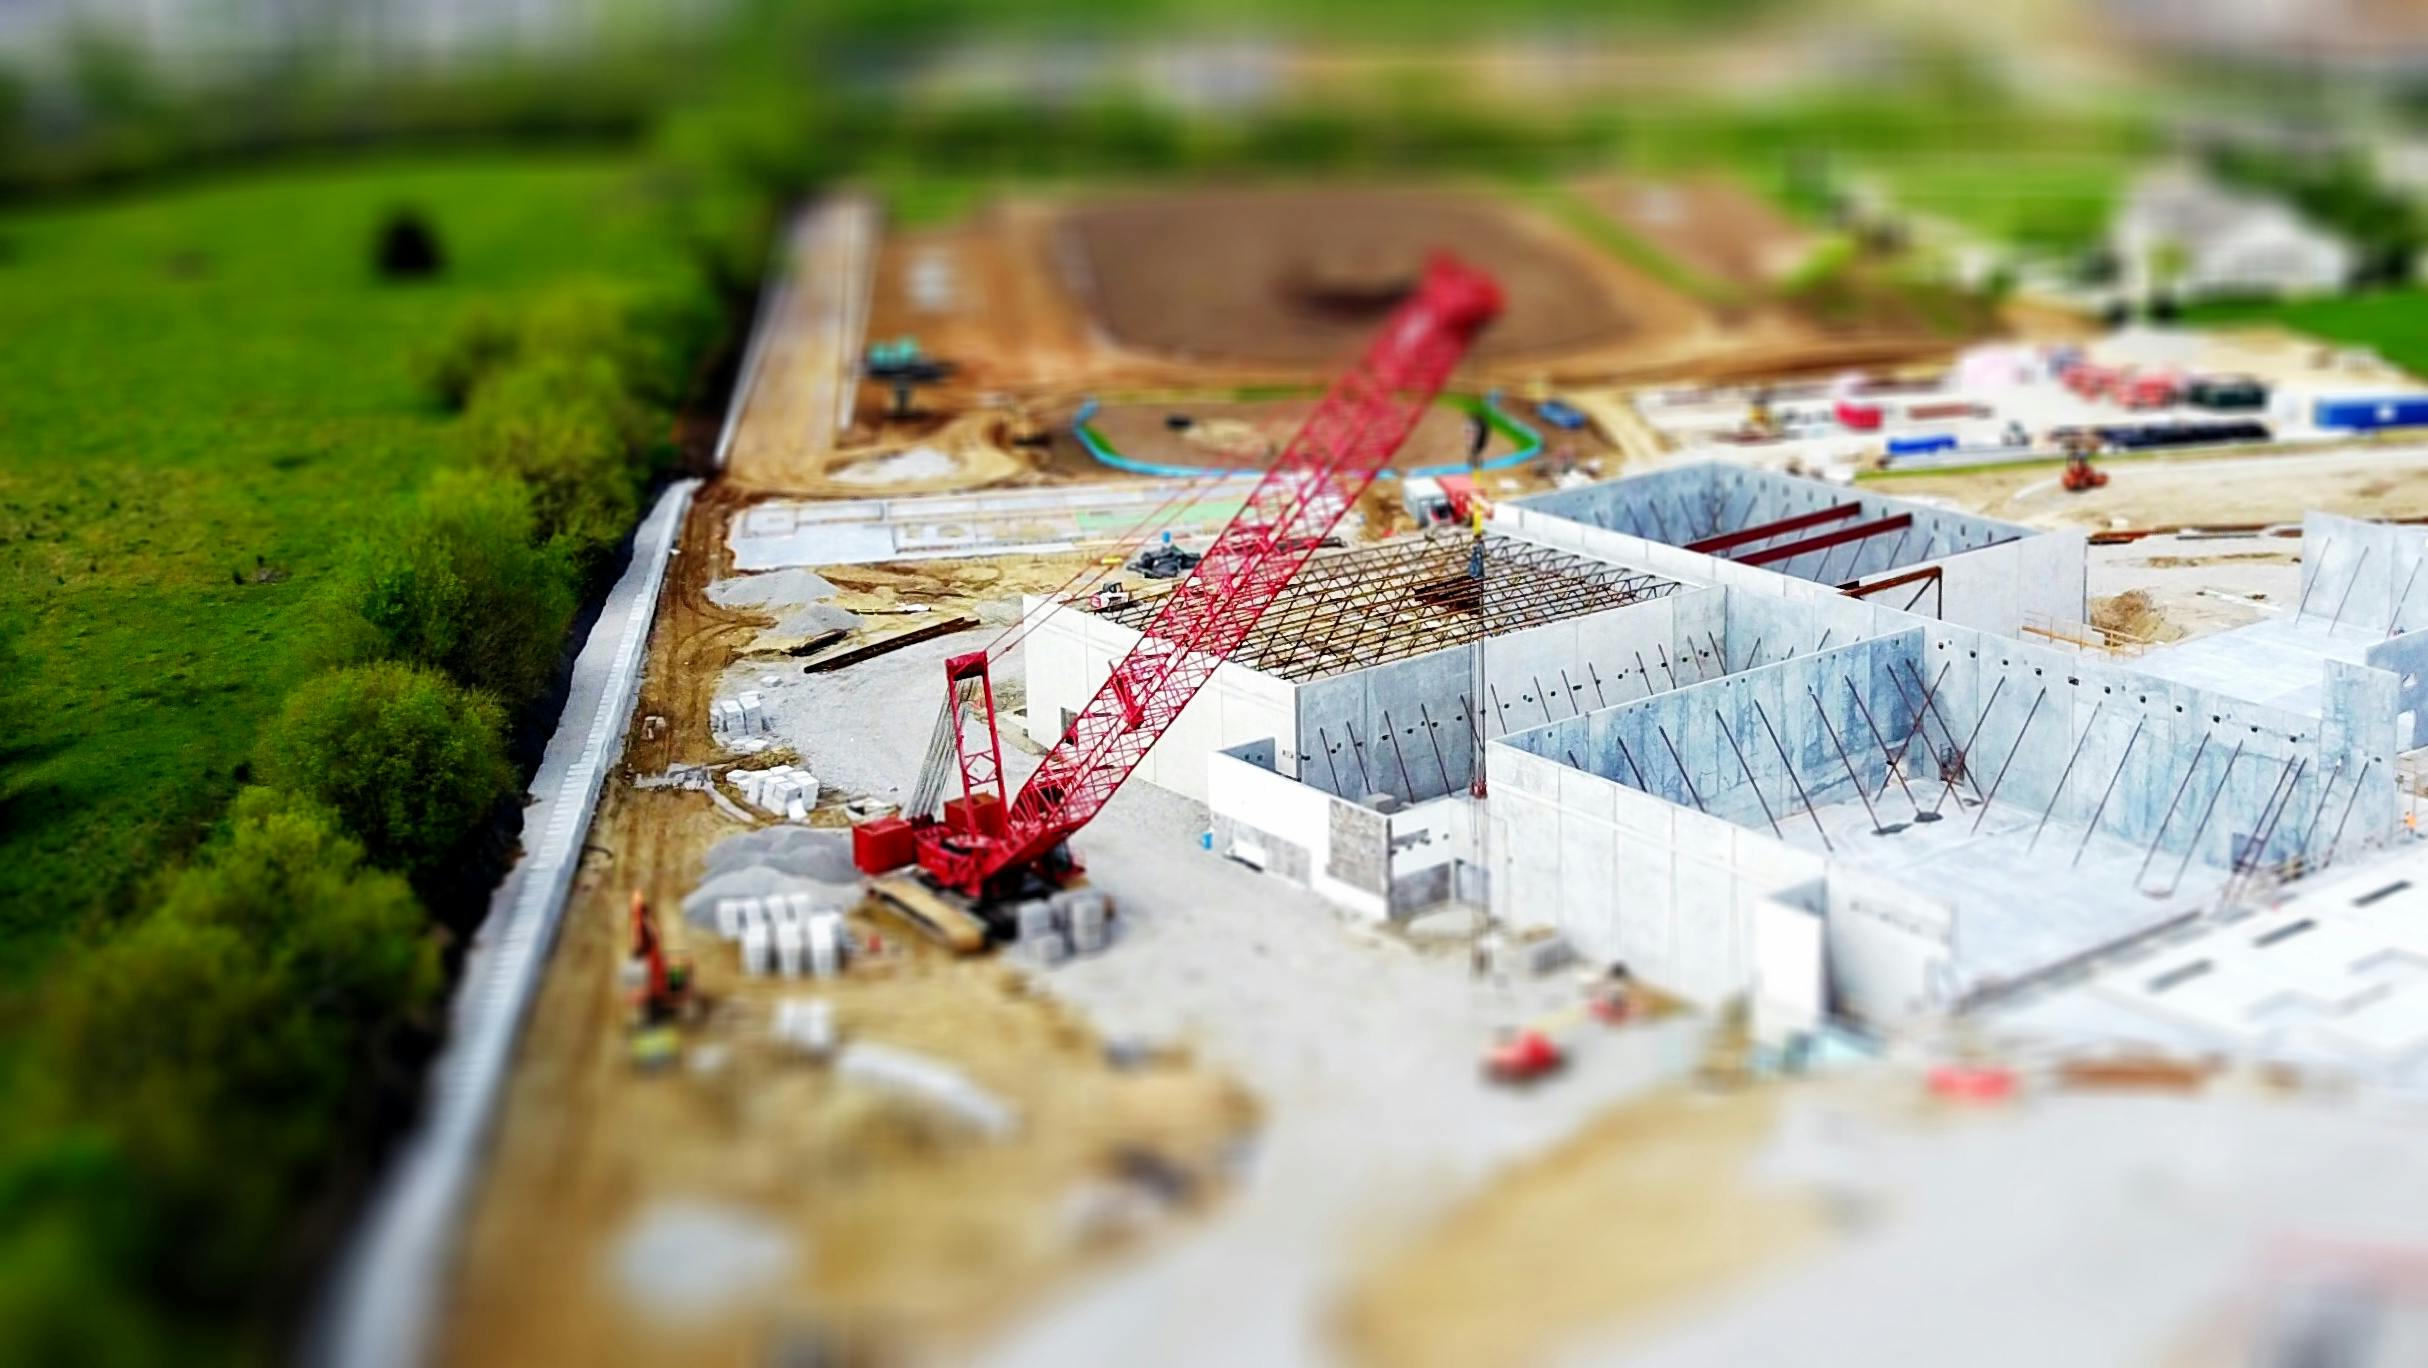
[
  {"x": 1233, "y": 275},
  {"x": 1244, "y": 435},
  {"x": 1712, "y": 225}
]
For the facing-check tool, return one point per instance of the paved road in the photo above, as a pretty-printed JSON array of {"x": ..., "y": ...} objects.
[{"x": 799, "y": 380}]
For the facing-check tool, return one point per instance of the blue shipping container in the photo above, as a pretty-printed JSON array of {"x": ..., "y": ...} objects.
[
  {"x": 2364, "y": 414},
  {"x": 1921, "y": 446}
]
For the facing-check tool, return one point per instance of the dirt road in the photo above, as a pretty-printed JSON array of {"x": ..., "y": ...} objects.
[
  {"x": 802, "y": 385},
  {"x": 2361, "y": 481}
]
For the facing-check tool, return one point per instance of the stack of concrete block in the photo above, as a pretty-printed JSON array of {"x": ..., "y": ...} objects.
[
  {"x": 1076, "y": 921},
  {"x": 786, "y": 790},
  {"x": 807, "y": 1025},
  {"x": 745, "y": 714},
  {"x": 785, "y": 935}
]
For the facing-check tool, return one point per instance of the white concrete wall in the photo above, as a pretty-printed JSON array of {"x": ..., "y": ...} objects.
[
  {"x": 1069, "y": 654},
  {"x": 1890, "y": 949},
  {"x": 1257, "y": 797},
  {"x": 1791, "y": 981},
  {"x": 1991, "y": 589},
  {"x": 1627, "y": 877}
]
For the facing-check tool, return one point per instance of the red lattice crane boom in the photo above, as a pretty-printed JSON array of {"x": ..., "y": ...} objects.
[{"x": 1362, "y": 420}]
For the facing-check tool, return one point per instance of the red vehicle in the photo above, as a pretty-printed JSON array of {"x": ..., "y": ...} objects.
[
  {"x": 2154, "y": 390},
  {"x": 1856, "y": 417},
  {"x": 1524, "y": 1057},
  {"x": 2088, "y": 380}
]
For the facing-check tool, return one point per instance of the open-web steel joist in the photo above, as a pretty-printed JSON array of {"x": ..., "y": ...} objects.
[{"x": 1352, "y": 609}]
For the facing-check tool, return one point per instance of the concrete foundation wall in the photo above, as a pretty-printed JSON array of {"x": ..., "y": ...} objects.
[
  {"x": 1891, "y": 950},
  {"x": 1408, "y": 728},
  {"x": 2406, "y": 658},
  {"x": 1625, "y": 877},
  {"x": 1993, "y": 576},
  {"x": 1067, "y": 657},
  {"x": 1767, "y": 739},
  {"x": 1335, "y": 847},
  {"x": 1691, "y": 502},
  {"x": 2081, "y": 738},
  {"x": 1372, "y": 864},
  {"x": 2364, "y": 574}
]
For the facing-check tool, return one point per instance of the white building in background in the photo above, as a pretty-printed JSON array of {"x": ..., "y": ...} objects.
[{"x": 2227, "y": 242}]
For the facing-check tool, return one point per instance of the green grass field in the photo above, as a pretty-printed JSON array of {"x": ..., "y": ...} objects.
[
  {"x": 2392, "y": 323},
  {"x": 206, "y": 383},
  {"x": 2059, "y": 202}
]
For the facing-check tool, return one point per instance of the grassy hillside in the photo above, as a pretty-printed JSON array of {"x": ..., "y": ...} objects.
[
  {"x": 206, "y": 385},
  {"x": 2392, "y": 323}
]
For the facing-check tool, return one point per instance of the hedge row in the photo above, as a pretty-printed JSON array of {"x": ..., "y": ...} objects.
[{"x": 200, "y": 1087}]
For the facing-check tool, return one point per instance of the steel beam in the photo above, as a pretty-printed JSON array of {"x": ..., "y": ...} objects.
[
  {"x": 1826, "y": 540},
  {"x": 1712, "y": 546}
]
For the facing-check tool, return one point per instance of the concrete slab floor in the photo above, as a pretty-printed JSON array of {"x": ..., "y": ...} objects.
[
  {"x": 2276, "y": 661},
  {"x": 2020, "y": 908}
]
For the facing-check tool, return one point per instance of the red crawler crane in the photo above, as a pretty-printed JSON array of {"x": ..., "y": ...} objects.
[{"x": 984, "y": 847}]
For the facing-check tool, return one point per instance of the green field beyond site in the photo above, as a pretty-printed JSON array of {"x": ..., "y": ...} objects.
[{"x": 209, "y": 395}]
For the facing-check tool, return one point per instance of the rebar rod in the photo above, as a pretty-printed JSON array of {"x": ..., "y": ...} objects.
[
  {"x": 1600, "y": 699},
  {"x": 1749, "y": 774},
  {"x": 2325, "y": 791},
  {"x": 2180, "y": 786},
  {"x": 1845, "y": 759},
  {"x": 2108, "y": 792},
  {"x": 2394, "y": 619},
  {"x": 2348, "y": 587},
  {"x": 2343, "y": 821},
  {"x": 2201, "y": 828},
  {"x": 1964, "y": 753},
  {"x": 1436, "y": 742},
  {"x": 1887, "y": 758},
  {"x": 2065, "y": 774},
  {"x": 1629, "y": 756},
  {"x": 1406, "y": 779},
  {"x": 1682, "y": 774},
  {"x": 1930, "y": 710},
  {"x": 1992, "y": 795},
  {"x": 1357, "y": 752},
  {"x": 1793, "y": 777},
  {"x": 2310, "y": 580},
  {"x": 1717, "y": 652},
  {"x": 1328, "y": 762}
]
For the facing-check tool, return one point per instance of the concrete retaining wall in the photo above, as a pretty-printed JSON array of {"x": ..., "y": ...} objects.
[{"x": 387, "y": 1294}]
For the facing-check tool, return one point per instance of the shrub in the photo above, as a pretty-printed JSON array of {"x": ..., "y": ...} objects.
[
  {"x": 410, "y": 761},
  {"x": 187, "y": 1078},
  {"x": 408, "y": 247},
  {"x": 481, "y": 340},
  {"x": 564, "y": 428},
  {"x": 460, "y": 585}
]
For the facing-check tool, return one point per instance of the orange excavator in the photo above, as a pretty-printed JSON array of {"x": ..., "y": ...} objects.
[
  {"x": 2080, "y": 475},
  {"x": 661, "y": 988}
]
